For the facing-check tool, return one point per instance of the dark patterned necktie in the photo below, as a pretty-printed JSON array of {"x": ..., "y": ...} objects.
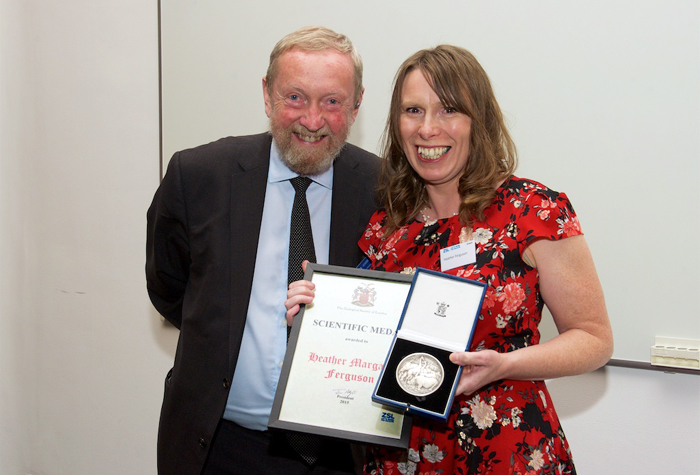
[
  {"x": 301, "y": 240},
  {"x": 301, "y": 247}
]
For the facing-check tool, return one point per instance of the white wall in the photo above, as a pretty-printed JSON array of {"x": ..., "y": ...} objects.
[
  {"x": 82, "y": 354},
  {"x": 15, "y": 307},
  {"x": 629, "y": 421}
]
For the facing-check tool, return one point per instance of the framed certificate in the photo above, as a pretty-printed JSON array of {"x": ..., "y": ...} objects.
[{"x": 336, "y": 351}]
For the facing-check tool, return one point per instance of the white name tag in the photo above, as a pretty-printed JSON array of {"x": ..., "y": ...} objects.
[{"x": 459, "y": 255}]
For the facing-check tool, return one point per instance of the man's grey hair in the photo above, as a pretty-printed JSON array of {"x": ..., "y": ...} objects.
[{"x": 315, "y": 38}]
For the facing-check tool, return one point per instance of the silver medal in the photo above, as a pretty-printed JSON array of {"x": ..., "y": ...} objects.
[{"x": 420, "y": 374}]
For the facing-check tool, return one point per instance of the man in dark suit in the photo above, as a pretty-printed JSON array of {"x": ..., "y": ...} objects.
[{"x": 217, "y": 257}]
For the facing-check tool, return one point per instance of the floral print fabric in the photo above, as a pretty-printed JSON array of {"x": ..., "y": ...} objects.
[{"x": 507, "y": 427}]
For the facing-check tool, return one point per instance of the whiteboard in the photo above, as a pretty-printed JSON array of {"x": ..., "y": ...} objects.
[{"x": 602, "y": 99}]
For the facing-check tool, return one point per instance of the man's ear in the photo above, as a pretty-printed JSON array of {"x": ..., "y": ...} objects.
[
  {"x": 358, "y": 102},
  {"x": 266, "y": 97}
]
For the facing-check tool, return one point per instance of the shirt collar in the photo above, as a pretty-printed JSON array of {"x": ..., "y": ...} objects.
[{"x": 281, "y": 172}]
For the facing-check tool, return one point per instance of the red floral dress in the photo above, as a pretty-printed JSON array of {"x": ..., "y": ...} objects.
[{"x": 507, "y": 427}]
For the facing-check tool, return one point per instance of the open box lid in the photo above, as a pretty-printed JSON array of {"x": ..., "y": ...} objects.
[{"x": 441, "y": 310}]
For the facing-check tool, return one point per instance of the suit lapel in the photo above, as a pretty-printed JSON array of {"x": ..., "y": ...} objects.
[
  {"x": 346, "y": 212},
  {"x": 248, "y": 185}
]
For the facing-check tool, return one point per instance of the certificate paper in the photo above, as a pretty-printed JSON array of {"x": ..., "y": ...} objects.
[{"x": 335, "y": 354}]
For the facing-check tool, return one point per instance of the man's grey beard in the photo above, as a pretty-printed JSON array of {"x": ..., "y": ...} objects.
[{"x": 307, "y": 162}]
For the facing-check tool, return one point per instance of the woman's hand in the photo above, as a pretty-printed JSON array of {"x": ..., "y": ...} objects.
[{"x": 479, "y": 369}]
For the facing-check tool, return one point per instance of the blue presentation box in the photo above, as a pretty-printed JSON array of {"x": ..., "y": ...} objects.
[{"x": 438, "y": 319}]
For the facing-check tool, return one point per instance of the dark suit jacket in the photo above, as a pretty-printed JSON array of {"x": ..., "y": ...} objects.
[{"x": 203, "y": 228}]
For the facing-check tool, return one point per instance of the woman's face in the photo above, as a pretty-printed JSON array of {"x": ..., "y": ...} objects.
[{"x": 434, "y": 138}]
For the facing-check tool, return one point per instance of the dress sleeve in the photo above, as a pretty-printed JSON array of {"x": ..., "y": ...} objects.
[{"x": 545, "y": 214}]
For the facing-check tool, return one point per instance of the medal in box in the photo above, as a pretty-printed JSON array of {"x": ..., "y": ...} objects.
[{"x": 438, "y": 319}]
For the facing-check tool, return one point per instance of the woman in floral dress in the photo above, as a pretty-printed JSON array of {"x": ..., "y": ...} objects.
[{"x": 447, "y": 178}]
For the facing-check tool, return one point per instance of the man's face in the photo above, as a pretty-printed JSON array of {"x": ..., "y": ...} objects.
[{"x": 311, "y": 107}]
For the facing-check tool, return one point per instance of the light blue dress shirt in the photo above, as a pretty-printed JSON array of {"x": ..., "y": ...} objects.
[{"x": 265, "y": 336}]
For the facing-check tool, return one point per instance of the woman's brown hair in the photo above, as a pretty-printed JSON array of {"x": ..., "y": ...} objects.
[{"x": 461, "y": 83}]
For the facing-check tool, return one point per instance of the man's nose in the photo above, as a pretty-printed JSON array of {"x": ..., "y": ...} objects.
[{"x": 312, "y": 118}]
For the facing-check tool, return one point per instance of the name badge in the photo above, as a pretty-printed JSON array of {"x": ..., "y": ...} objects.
[{"x": 459, "y": 255}]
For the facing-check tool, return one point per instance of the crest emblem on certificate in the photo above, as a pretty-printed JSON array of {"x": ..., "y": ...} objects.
[{"x": 364, "y": 295}]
